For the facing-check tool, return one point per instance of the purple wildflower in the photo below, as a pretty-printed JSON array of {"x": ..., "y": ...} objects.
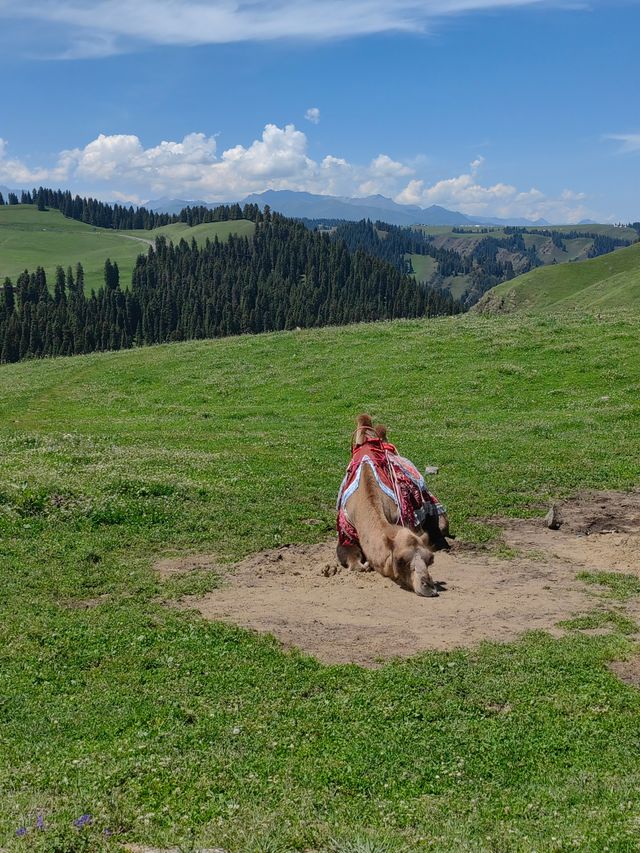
[
  {"x": 40, "y": 822},
  {"x": 21, "y": 831},
  {"x": 83, "y": 820},
  {"x": 108, "y": 832}
]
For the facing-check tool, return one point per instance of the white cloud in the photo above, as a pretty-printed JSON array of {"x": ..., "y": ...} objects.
[
  {"x": 95, "y": 28},
  {"x": 313, "y": 115},
  {"x": 118, "y": 166},
  {"x": 629, "y": 142},
  {"x": 466, "y": 194}
]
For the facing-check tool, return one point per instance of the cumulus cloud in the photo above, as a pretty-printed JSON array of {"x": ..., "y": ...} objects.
[
  {"x": 95, "y": 28},
  {"x": 118, "y": 166},
  {"x": 629, "y": 142},
  {"x": 467, "y": 194},
  {"x": 313, "y": 115}
]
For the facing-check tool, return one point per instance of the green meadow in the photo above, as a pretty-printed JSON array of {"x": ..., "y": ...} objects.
[
  {"x": 30, "y": 238},
  {"x": 608, "y": 282},
  {"x": 166, "y": 730}
]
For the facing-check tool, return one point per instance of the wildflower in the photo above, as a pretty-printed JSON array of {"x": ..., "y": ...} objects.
[
  {"x": 83, "y": 820},
  {"x": 21, "y": 831}
]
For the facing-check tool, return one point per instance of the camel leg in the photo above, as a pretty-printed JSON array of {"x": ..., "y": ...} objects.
[
  {"x": 352, "y": 558},
  {"x": 435, "y": 534}
]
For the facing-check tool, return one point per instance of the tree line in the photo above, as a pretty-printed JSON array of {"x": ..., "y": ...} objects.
[
  {"x": 91, "y": 211},
  {"x": 483, "y": 264},
  {"x": 282, "y": 277}
]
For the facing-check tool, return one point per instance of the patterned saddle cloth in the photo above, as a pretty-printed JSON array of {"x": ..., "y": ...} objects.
[{"x": 396, "y": 476}]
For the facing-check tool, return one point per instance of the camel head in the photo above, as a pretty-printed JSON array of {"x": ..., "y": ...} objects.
[{"x": 411, "y": 561}]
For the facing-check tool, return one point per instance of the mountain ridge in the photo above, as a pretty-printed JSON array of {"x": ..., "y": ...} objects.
[{"x": 304, "y": 205}]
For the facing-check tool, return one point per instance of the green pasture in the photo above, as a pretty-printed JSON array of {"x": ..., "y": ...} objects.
[
  {"x": 180, "y": 230},
  {"x": 30, "y": 238},
  {"x": 424, "y": 266},
  {"x": 166, "y": 730},
  {"x": 609, "y": 282}
]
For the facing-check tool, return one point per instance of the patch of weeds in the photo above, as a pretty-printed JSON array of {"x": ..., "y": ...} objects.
[
  {"x": 112, "y": 512},
  {"x": 144, "y": 489},
  {"x": 620, "y": 586},
  {"x": 601, "y": 619},
  {"x": 28, "y": 501},
  {"x": 505, "y": 552},
  {"x": 511, "y": 370},
  {"x": 196, "y": 582},
  {"x": 536, "y": 554},
  {"x": 359, "y": 845},
  {"x": 477, "y": 532}
]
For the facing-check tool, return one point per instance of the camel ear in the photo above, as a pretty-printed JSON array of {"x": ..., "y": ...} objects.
[{"x": 381, "y": 431}]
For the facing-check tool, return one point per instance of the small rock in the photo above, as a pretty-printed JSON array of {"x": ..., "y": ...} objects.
[
  {"x": 553, "y": 519},
  {"x": 329, "y": 571}
]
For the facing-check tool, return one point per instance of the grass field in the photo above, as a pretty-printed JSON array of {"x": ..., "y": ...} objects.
[
  {"x": 424, "y": 266},
  {"x": 168, "y": 730},
  {"x": 610, "y": 281},
  {"x": 30, "y": 238}
]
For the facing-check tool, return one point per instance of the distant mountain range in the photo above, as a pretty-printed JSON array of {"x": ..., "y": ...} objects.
[{"x": 311, "y": 206}]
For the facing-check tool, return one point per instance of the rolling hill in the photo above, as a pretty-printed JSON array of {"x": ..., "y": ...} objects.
[
  {"x": 30, "y": 238},
  {"x": 610, "y": 281}
]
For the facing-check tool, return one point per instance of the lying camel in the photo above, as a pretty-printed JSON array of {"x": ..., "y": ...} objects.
[{"x": 377, "y": 540}]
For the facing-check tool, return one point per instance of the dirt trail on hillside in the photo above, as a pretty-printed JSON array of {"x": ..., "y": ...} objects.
[{"x": 300, "y": 595}]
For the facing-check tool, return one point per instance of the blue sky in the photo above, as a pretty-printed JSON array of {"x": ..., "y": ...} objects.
[{"x": 495, "y": 107}]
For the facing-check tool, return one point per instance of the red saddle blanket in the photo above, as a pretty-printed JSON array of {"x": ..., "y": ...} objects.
[{"x": 396, "y": 476}]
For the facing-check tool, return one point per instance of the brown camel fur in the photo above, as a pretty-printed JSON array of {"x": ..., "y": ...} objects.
[{"x": 394, "y": 551}]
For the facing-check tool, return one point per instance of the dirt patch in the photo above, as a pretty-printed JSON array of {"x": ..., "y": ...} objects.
[
  {"x": 627, "y": 671},
  {"x": 171, "y": 566},
  {"x": 301, "y": 596}
]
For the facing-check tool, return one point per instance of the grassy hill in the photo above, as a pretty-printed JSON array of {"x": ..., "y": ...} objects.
[
  {"x": 168, "y": 730},
  {"x": 610, "y": 281},
  {"x": 30, "y": 238}
]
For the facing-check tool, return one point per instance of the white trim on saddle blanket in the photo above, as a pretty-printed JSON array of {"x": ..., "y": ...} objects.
[{"x": 343, "y": 496}]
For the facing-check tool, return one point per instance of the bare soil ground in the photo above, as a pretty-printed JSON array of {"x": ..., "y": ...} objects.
[{"x": 305, "y": 599}]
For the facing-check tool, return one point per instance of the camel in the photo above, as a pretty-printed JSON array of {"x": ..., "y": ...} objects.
[{"x": 379, "y": 542}]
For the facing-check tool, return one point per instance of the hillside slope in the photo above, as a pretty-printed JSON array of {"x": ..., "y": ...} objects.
[
  {"x": 611, "y": 281},
  {"x": 30, "y": 238}
]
